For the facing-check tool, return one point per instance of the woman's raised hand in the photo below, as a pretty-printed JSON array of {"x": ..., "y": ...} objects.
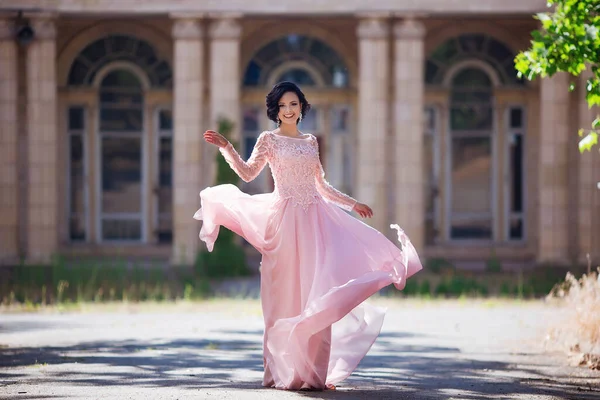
[
  {"x": 215, "y": 138},
  {"x": 363, "y": 210}
]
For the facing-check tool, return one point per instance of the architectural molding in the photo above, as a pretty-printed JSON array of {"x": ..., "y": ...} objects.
[
  {"x": 295, "y": 7},
  {"x": 187, "y": 28},
  {"x": 409, "y": 28},
  {"x": 7, "y": 29},
  {"x": 373, "y": 28},
  {"x": 225, "y": 28},
  {"x": 43, "y": 26}
]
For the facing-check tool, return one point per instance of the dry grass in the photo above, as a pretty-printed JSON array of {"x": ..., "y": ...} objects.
[{"x": 579, "y": 330}]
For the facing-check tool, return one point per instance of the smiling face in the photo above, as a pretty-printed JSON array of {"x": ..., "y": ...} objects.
[{"x": 290, "y": 109}]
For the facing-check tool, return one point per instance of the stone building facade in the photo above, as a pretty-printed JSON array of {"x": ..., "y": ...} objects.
[{"x": 416, "y": 105}]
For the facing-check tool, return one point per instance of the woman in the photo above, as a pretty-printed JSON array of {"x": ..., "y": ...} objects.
[{"x": 319, "y": 263}]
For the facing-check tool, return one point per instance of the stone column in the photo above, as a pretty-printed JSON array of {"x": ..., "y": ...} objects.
[
  {"x": 188, "y": 127},
  {"x": 553, "y": 240},
  {"x": 8, "y": 144},
  {"x": 225, "y": 77},
  {"x": 588, "y": 206},
  {"x": 408, "y": 129},
  {"x": 373, "y": 116},
  {"x": 42, "y": 145}
]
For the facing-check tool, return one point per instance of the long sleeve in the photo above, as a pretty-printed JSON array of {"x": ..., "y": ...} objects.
[
  {"x": 258, "y": 159},
  {"x": 329, "y": 192}
]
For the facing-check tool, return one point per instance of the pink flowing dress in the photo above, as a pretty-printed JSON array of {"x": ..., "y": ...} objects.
[{"x": 319, "y": 263}]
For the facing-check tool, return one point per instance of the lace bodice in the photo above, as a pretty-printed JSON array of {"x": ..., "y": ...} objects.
[{"x": 296, "y": 169}]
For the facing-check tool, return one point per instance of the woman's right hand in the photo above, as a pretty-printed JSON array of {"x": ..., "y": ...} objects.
[{"x": 215, "y": 138}]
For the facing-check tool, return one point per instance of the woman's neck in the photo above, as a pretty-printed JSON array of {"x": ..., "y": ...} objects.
[{"x": 289, "y": 130}]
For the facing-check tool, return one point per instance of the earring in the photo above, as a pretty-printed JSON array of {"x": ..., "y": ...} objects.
[
  {"x": 278, "y": 122},
  {"x": 300, "y": 119}
]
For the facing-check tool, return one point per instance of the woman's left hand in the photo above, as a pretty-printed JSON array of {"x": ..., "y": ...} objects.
[{"x": 363, "y": 210}]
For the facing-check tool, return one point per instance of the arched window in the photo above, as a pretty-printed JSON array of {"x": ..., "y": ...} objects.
[
  {"x": 119, "y": 48},
  {"x": 472, "y": 47},
  {"x": 477, "y": 204},
  {"x": 120, "y": 148},
  {"x": 293, "y": 48}
]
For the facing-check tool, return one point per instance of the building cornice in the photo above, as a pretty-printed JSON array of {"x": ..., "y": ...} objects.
[{"x": 281, "y": 7}]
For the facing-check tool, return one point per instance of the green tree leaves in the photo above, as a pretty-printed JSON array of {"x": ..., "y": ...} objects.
[{"x": 568, "y": 41}]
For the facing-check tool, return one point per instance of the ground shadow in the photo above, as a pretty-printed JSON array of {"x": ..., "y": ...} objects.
[{"x": 395, "y": 371}]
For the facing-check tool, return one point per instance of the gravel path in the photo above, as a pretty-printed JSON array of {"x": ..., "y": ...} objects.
[{"x": 212, "y": 350}]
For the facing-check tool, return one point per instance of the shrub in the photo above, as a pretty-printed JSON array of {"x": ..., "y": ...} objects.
[{"x": 581, "y": 297}]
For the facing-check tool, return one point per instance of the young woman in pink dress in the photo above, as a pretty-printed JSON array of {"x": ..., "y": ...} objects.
[{"x": 319, "y": 263}]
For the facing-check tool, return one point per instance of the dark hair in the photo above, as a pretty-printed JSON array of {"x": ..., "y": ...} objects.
[{"x": 275, "y": 95}]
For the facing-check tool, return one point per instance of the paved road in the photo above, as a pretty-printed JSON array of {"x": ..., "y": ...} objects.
[{"x": 212, "y": 350}]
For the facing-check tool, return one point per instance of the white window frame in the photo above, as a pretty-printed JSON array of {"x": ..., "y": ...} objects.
[
  {"x": 493, "y": 134},
  {"x": 144, "y": 167},
  {"x": 508, "y": 214}
]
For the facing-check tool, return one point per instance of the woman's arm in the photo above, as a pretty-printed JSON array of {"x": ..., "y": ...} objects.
[
  {"x": 248, "y": 170},
  {"x": 329, "y": 192}
]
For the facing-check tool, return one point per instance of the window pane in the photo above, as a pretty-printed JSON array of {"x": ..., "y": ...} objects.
[
  {"x": 516, "y": 173},
  {"x": 121, "y": 44},
  {"x": 251, "y": 124},
  {"x": 471, "y": 175},
  {"x": 165, "y": 120},
  {"x": 77, "y": 190},
  {"x": 516, "y": 117},
  {"x": 269, "y": 53},
  {"x": 121, "y": 99},
  {"x": 121, "y": 78},
  {"x": 471, "y": 95},
  {"x": 472, "y": 78},
  {"x": 516, "y": 229},
  {"x": 249, "y": 142},
  {"x": 499, "y": 51},
  {"x": 76, "y": 118},
  {"x": 339, "y": 75},
  {"x": 252, "y": 75},
  {"x": 165, "y": 191},
  {"x": 163, "y": 72},
  {"x": 339, "y": 119},
  {"x": 298, "y": 76},
  {"x": 120, "y": 120},
  {"x": 95, "y": 51},
  {"x": 444, "y": 53},
  {"x": 121, "y": 229},
  {"x": 471, "y": 43},
  {"x": 78, "y": 73},
  {"x": 430, "y": 72},
  {"x": 471, "y": 117},
  {"x": 121, "y": 175},
  {"x": 145, "y": 54},
  {"x": 471, "y": 229},
  {"x": 430, "y": 182},
  {"x": 166, "y": 161}
]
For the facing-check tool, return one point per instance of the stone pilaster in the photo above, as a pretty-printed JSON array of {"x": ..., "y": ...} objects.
[
  {"x": 188, "y": 127},
  {"x": 42, "y": 142},
  {"x": 373, "y": 117},
  {"x": 8, "y": 144},
  {"x": 588, "y": 207},
  {"x": 408, "y": 129},
  {"x": 553, "y": 241},
  {"x": 225, "y": 72}
]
